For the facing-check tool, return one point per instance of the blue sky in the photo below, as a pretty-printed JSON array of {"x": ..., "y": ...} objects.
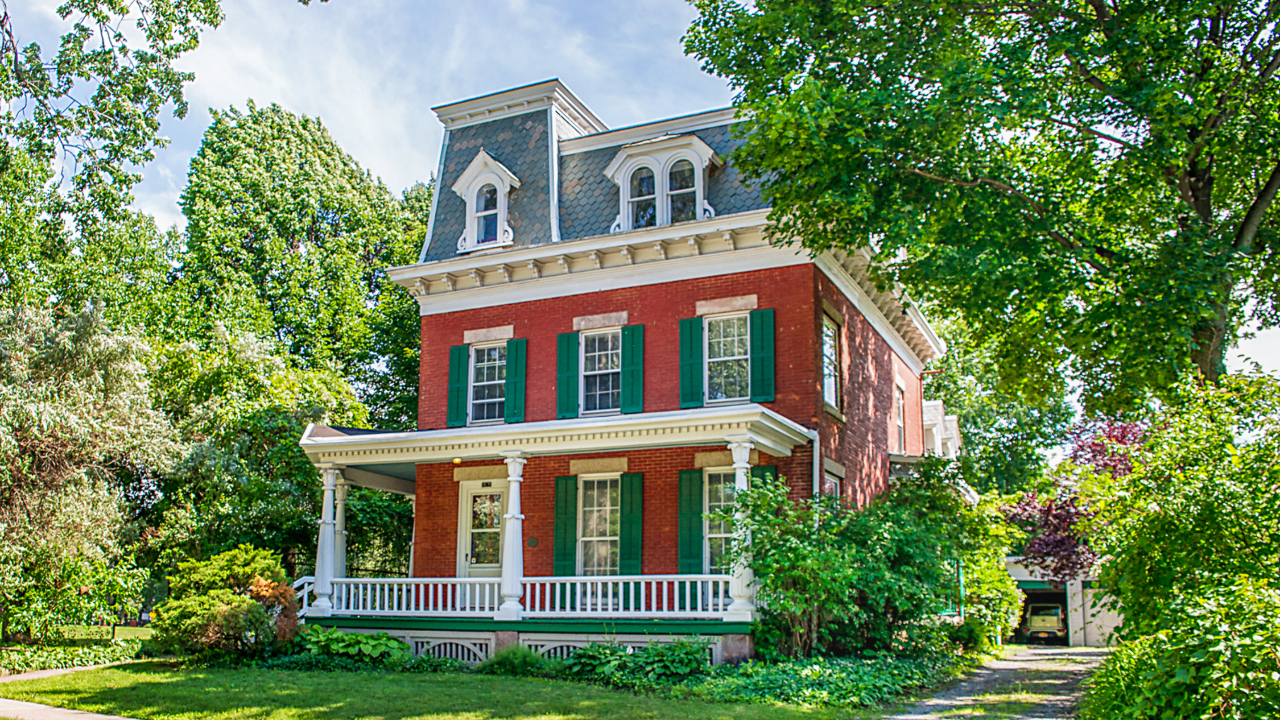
[{"x": 372, "y": 70}]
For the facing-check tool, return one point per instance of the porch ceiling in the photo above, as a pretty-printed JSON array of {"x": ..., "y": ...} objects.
[{"x": 393, "y": 454}]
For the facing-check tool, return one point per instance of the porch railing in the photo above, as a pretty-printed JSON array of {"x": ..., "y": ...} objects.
[
  {"x": 303, "y": 587},
  {"x": 417, "y": 597},
  {"x": 627, "y": 596}
]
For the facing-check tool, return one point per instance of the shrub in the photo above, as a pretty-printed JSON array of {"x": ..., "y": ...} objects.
[
  {"x": 54, "y": 657},
  {"x": 599, "y": 662},
  {"x": 515, "y": 661},
  {"x": 1219, "y": 659},
  {"x": 235, "y": 602},
  {"x": 664, "y": 663},
  {"x": 368, "y": 647}
]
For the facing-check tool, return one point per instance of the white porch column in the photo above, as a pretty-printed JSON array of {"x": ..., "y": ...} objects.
[
  {"x": 512, "y": 584},
  {"x": 743, "y": 608},
  {"x": 323, "y": 605},
  {"x": 340, "y": 529}
]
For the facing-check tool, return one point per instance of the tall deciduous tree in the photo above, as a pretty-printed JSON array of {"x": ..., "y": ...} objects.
[
  {"x": 287, "y": 235},
  {"x": 1090, "y": 182}
]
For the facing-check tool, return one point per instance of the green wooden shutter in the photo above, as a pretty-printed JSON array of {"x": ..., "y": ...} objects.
[
  {"x": 760, "y": 471},
  {"x": 633, "y": 369},
  {"x": 514, "y": 402},
  {"x": 565, "y": 553},
  {"x": 691, "y": 362},
  {"x": 689, "y": 522},
  {"x": 567, "y": 375},
  {"x": 631, "y": 520},
  {"x": 459, "y": 359},
  {"x": 761, "y": 329}
]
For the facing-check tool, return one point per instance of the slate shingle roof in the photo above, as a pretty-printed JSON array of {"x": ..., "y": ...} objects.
[{"x": 520, "y": 144}]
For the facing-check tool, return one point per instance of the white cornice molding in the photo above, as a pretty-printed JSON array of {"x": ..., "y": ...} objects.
[
  {"x": 857, "y": 295},
  {"x": 770, "y": 432},
  {"x": 517, "y": 101},
  {"x": 635, "y": 133}
]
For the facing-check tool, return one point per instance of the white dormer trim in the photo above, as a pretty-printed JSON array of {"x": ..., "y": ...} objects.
[
  {"x": 659, "y": 155},
  {"x": 484, "y": 170}
]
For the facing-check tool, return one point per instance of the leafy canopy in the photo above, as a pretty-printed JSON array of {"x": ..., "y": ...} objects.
[{"x": 1090, "y": 183}]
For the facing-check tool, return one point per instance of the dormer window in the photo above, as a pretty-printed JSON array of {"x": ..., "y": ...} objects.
[
  {"x": 487, "y": 215},
  {"x": 662, "y": 181},
  {"x": 486, "y": 186},
  {"x": 644, "y": 205},
  {"x": 682, "y": 192}
]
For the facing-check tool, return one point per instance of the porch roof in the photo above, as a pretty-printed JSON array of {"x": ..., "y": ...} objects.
[{"x": 385, "y": 460}]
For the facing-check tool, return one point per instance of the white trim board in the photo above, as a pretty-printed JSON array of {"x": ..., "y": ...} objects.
[
  {"x": 627, "y": 135},
  {"x": 860, "y": 300}
]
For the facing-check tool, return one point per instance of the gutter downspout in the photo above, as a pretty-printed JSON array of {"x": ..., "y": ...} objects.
[{"x": 817, "y": 459}]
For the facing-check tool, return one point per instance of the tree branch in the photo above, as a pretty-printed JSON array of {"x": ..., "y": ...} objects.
[
  {"x": 1253, "y": 219},
  {"x": 1095, "y": 133}
]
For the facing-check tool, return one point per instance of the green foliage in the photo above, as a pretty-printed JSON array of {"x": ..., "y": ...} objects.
[
  {"x": 1219, "y": 658},
  {"x": 1005, "y": 437},
  {"x": 1086, "y": 184},
  {"x": 53, "y": 657},
  {"x": 517, "y": 661},
  {"x": 658, "y": 666},
  {"x": 992, "y": 601},
  {"x": 599, "y": 662},
  {"x": 824, "y": 682},
  {"x": 1201, "y": 505},
  {"x": 360, "y": 646},
  {"x": 234, "y": 570},
  {"x": 844, "y": 580},
  {"x": 233, "y": 603}
]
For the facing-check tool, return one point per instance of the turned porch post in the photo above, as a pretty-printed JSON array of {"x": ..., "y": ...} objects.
[
  {"x": 512, "y": 584},
  {"x": 323, "y": 605},
  {"x": 340, "y": 529},
  {"x": 742, "y": 609}
]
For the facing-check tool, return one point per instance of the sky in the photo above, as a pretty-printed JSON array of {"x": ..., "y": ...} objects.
[{"x": 371, "y": 70}]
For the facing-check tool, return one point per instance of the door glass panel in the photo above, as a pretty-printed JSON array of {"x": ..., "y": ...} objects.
[{"x": 486, "y": 525}]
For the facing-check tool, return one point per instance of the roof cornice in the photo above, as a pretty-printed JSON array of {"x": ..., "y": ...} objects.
[
  {"x": 517, "y": 101},
  {"x": 636, "y": 133}
]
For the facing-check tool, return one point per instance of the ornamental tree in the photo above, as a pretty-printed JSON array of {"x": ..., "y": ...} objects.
[{"x": 1090, "y": 183}]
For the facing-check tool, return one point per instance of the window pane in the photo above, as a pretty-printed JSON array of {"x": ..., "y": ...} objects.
[
  {"x": 682, "y": 207},
  {"x": 601, "y": 371},
  {"x": 681, "y": 176},
  {"x": 485, "y": 547},
  {"x": 486, "y": 511},
  {"x": 831, "y": 362},
  {"x": 488, "y": 228},
  {"x": 642, "y": 183},
  {"x": 720, "y": 492},
  {"x": 598, "y": 526},
  {"x": 644, "y": 214},
  {"x": 487, "y": 199},
  {"x": 488, "y": 382}
]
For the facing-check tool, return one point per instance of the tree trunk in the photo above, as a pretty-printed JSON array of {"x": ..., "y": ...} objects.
[{"x": 1211, "y": 344}]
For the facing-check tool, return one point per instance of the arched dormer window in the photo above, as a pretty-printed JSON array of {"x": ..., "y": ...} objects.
[
  {"x": 661, "y": 181},
  {"x": 682, "y": 194},
  {"x": 644, "y": 199},
  {"x": 485, "y": 186},
  {"x": 487, "y": 214}
]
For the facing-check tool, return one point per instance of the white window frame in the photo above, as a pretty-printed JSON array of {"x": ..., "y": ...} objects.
[
  {"x": 706, "y": 358},
  {"x": 706, "y": 509},
  {"x": 660, "y": 156},
  {"x": 484, "y": 170},
  {"x": 900, "y": 417},
  {"x": 838, "y": 384},
  {"x": 465, "y": 489},
  {"x": 580, "y": 560},
  {"x": 582, "y": 371},
  {"x": 471, "y": 383}
]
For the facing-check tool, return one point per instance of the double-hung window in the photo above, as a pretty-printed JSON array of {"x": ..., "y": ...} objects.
[
  {"x": 488, "y": 382},
  {"x": 599, "y": 525},
  {"x": 644, "y": 199},
  {"x": 831, "y": 379},
  {"x": 601, "y": 371},
  {"x": 900, "y": 420},
  {"x": 728, "y": 358},
  {"x": 718, "y": 533},
  {"x": 487, "y": 215},
  {"x": 682, "y": 195}
]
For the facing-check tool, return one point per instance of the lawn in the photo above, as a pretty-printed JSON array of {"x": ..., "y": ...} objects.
[{"x": 159, "y": 691}]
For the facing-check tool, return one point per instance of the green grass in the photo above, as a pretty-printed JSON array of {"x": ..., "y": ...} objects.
[{"x": 159, "y": 691}]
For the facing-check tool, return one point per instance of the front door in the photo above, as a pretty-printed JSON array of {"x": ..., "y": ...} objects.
[{"x": 480, "y": 543}]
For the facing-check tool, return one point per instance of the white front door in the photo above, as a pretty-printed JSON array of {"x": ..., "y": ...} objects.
[{"x": 480, "y": 525}]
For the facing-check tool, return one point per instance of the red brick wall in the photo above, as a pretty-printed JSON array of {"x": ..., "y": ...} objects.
[
  {"x": 659, "y": 308},
  {"x": 436, "y": 532},
  {"x": 861, "y": 443}
]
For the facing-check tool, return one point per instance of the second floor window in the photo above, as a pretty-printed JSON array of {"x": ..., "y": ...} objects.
[
  {"x": 728, "y": 358},
  {"x": 831, "y": 380},
  {"x": 900, "y": 421},
  {"x": 488, "y": 382},
  {"x": 487, "y": 215},
  {"x": 601, "y": 371}
]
